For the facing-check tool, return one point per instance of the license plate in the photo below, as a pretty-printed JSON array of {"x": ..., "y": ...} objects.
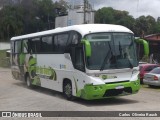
[{"x": 120, "y": 87}]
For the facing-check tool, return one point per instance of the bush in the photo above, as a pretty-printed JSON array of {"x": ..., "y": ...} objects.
[{"x": 4, "y": 60}]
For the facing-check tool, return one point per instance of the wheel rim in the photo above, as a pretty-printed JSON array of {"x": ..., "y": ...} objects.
[{"x": 68, "y": 90}]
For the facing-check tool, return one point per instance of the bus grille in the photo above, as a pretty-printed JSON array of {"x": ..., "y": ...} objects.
[
  {"x": 117, "y": 82},
  {"x": 115, "y": 92}
]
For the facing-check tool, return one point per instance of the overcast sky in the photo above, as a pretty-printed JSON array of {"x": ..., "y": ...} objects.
[{"x": 136, "y": 8}]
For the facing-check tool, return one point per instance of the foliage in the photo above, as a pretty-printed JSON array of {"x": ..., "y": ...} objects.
[
  {"x": 141, "y": 26},
  {"x": 4, "y": 61},
  {"x": 23, "y": 17},
  {"x": 145, "y": 25},
  {"x": 10, "y": 25},
  {"x": 27, "y": 17}
]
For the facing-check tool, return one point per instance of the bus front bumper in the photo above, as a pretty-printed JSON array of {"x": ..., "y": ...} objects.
[{"x": 91, "y": 92}]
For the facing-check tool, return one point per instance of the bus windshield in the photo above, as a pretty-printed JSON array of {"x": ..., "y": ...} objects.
[{"x": 111, "y": 51}]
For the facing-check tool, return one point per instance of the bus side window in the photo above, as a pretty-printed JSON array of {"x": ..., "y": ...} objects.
[
  {"x": 46, "y": 45},
  {"x": 25, "y": 46},
  {"x": 29, "y": 44},
  {"x": 79, "y": 62},
  {"x": 36, "y": 45},
  {"x": 17, "y": 47},
  {"x": 75, "y": 38},
  {"x": 12, "y": 47},
  {"x": 55, "y": 43},
  {"x": 13, "y": 52},
  {"x": 60, "y": 42}
]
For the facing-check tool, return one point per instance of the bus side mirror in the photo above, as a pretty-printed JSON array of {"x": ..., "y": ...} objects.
[
  {"x": 145, "y": 44},
  {"x": 87, "y": 47}
]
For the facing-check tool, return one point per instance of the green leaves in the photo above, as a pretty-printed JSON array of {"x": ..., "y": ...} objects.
[
  {"x": 10, "y": 22},
  {"x": 38, "y": 15},
  {"x": 143, "y": 25},
  {"x": 28, "y": 17}
]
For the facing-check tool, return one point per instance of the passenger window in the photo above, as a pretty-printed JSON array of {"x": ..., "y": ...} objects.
[
  {"x": 12, "y": 47},
  {"x": 17, "y": 46},
  {"x": 47, "y": 44},
  {"x": 149, "y": 68},
  {"x": 79, "y": 62},
  {"x": 36, "y": 45},
  {"x": 154, "y": 67},
  {"x": 56, "y": 45},
  {"x": 60, "y": 42},
  {"x": 25, "y": 46},
  {"x": 75, "y": 38}
]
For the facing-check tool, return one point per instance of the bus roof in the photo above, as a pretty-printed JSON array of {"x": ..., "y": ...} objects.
[{"x": 82, "y": 29}]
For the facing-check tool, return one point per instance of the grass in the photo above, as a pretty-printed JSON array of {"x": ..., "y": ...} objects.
[
  {"x": 4, "y": 61},
  {"x": 2, "y": 53}
]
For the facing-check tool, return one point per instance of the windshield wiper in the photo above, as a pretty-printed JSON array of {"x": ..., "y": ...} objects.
[
  {"x": 106, "y": 58},
  {"x": 103, "y": 64}
]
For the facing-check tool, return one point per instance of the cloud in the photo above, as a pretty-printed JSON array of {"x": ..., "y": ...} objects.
[{"x": 135, "y": 8}]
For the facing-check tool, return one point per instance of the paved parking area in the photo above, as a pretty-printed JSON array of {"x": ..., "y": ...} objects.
[{"x": 15, "y": 96}]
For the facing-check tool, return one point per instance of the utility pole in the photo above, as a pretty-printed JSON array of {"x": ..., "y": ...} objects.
[
  {"x": 48, "y": 22},
  {"x": 85, "y": 6}
]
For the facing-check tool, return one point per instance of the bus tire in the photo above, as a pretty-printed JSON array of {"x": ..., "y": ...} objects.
[
  {"x": 67, "y": 90},
  {"x": 28, "y": 82}
]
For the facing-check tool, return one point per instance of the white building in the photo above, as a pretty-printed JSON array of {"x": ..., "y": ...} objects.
[
  {"x": 4, "y": 45},
  {"x": 75, "y": 17}
]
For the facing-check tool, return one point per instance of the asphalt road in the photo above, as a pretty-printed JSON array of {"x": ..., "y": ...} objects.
[{"x": 15, "y": 96}]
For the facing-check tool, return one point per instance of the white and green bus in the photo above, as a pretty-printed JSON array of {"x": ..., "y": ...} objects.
[{"x": 90, "y": 61}]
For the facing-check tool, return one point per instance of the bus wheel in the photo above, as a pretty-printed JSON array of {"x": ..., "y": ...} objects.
[
  {"x": 67, "y": 90},
  {"x": 28, "y": 82}
]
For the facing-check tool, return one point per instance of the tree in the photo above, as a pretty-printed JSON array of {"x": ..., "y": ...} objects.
[
  {"x": 123, "y": 18},
  {"x": 105, "y": 15},
  {"x": 157, "y": 26},
  {"x": 141, "y": 26},
  {"x": 23, "y": 17},
  {"x": 11, "y": 22},
  {"x": 145, "y": 25},
  {"x": 20, "y": 17},
  {"x": 111, "y": 16},
  {"x": 46, "y": 13}
]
